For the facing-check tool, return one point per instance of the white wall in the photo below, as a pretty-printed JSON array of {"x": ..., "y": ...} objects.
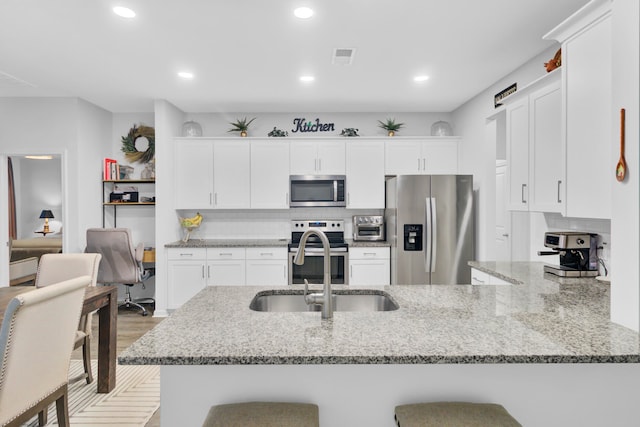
[
  {"x": 416, "y": 124},
  {"x": 168, "y": 120},
  {"x": 625, "y": 227},
  {"x": 39, "y": 126}
]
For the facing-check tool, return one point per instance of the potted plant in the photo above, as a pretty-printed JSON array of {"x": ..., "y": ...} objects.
[
  {"x": 390, "y": 126},
  {"x": 241, "y": 125}
]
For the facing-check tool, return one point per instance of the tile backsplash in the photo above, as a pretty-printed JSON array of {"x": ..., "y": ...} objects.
[
  {"x": 267, "y": 224},
  {"x": 541, "y": 223}
]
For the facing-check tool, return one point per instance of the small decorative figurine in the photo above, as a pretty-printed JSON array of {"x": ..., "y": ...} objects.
[
  {"x": 349, "y": 132},
  {"x": 278, "y": 133}
]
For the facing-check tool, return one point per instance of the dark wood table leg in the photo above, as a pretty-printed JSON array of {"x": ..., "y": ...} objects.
[{"x": 107, "y": 339}]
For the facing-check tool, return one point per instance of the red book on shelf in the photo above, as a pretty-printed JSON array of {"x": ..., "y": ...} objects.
[{"x": 107, "y": 169}]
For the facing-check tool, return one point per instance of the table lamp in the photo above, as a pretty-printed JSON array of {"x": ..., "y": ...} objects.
[{"x": 46, "y": 214}]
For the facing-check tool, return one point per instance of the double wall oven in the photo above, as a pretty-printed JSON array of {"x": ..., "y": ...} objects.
[{"x": 312, "y": 269}]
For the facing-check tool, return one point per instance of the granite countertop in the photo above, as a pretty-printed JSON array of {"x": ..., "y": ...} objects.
[
  {"x": 229, "y": 243},
  {"x": 257, "y": 243},
  {"x": 537, "y": 321},
  {"x": 368, "y": 244}
]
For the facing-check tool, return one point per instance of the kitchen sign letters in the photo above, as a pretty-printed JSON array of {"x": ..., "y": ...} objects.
[{"x": 302, "y": 125}]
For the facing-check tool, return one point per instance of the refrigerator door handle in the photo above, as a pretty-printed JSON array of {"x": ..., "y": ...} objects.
[
  {"x": 434, "y": 235},
  {"x": 427, "y": 234}
]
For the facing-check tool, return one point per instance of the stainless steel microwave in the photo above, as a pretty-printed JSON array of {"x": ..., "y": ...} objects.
[{"x": 317, "y": 191}]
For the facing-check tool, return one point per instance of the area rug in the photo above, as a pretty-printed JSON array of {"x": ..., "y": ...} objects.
[{"x": 131, "y": 403}]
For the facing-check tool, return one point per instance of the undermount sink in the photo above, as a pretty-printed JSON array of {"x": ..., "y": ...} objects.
[{"x": 343, "y": 300}]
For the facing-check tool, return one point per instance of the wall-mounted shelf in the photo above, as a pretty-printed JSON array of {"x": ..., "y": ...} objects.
[{"x": 109, "y": 186}]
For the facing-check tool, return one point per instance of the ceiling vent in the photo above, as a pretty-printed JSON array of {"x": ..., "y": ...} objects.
[
  {"x": 343, "y": 55},
  {"x": 8, "y": 81}
]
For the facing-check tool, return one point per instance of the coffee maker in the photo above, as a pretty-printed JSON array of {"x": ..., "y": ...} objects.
[{"x": 577, "y": 252}]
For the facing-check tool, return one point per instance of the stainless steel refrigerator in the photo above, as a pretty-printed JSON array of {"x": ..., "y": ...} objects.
[{"x": 429, "y": 220}]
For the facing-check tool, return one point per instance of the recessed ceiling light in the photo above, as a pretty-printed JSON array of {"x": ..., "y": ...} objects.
[
  {"x": 420, "y": 78},
  {"x": 303, "y": 12},
  {"x": 307, "y": 79},
  {"x": 185, "y": 75},
  {"x": 124, "y": 12}
]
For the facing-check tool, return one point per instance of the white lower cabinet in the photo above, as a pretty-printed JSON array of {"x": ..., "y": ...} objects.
[
  {"x": 369, "y": 266},
  {"x": 191, "y": 269},
  {"x": 481, "y": 278},
  {"x": 186, "y": 274},
  {"x": 225, "y": 266},
  {"x": 266, "y": 266}
]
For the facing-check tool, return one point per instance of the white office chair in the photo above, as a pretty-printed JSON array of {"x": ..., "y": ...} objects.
[
  {"x": 36, "y": 342},
  {"x": 121, "y": 261}
]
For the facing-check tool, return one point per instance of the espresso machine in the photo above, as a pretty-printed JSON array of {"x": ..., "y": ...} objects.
[{"x": 577, "y": 252}]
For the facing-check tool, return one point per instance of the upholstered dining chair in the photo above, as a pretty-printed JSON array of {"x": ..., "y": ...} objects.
[
  {"x": 36, "y": 342},
  {"x": 121, "y": 261},
  {"x": 55, "y": 268}
]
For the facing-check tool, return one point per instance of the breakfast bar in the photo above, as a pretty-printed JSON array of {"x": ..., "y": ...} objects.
[{"x": 534, "y": 346}]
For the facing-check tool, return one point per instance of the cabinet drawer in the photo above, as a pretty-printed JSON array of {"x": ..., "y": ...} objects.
[
  {"x": 267, "y": 253},
  {"x": 369, "y": 253},
  {"x": 225, "y": 253},
  {"x": 186, "y": 253},
  {"x": 479, "y": 277}
]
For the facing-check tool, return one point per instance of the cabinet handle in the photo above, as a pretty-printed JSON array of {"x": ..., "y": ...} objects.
[
  {"x": 319, "y": 165},
  {"x": 186, "y": 254},
  {"x": 351, "y": 271},
  {"x": 286, "y": 199},
  {"x": 215, "y": 199},
  {"x": 418, "y": 164},
  {"x": 208, "y": 272},
  {"x": 266, "y": 253},
  {"x": 505, "y": 235},
  {"x": 210, "y": 199},
  {"x": 203, "y": 271},
  {"x": 523, "y": 187},
  {"x": 369, "y": 254},
  {"x": 315, "y": 165},
  {"x": 559, "y": 182},
  {"x": 284, "y": 269},
  {"x": 424, "y": 164},
  {"x": 225, "y": 254}
]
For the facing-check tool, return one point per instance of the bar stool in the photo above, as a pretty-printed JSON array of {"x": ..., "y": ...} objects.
[
  {"x": 454, "y": 414},
  {"x": 263, "y": 414}
]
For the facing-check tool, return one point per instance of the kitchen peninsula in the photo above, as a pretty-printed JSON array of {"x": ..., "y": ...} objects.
[{"x": 535, "y": 347}]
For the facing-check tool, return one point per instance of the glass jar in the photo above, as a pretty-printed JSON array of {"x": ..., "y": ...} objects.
[
  {"x": 191, "y": 128},
  {"x": 441, "y": 129}
]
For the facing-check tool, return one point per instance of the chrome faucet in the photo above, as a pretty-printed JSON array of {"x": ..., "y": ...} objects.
[{"x": 324, "y": 298}]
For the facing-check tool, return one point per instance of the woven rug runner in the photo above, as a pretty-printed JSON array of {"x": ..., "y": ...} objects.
[{"x": 131, "y": 403}]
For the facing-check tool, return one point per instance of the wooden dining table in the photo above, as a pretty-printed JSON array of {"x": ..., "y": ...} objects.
[{"x": 101, "y": 298}]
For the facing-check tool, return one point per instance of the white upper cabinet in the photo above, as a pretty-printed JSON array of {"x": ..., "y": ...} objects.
[
  {"x": 518, "y": 155},
  {"x": 365, "y": 174},
  {"x": 535, "y": 156},
  {"x": 212, "y": 174},
  {"x": 193, "y": 174},
  {"x": 546, "y": 157},
  {"x": 421, "y": 157},
  {"x": 325, "y": 157},
  {"x": 586, "y": 39},
  {"x": 231, "y": 174},
  {"x": 269, "y": 174}
]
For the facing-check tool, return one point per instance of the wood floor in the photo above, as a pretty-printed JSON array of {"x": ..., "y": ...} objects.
[{"x": 131, "y": 326}]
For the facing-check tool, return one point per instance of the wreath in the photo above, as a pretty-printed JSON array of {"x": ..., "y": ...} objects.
[{"x": 129, "y": 144}]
